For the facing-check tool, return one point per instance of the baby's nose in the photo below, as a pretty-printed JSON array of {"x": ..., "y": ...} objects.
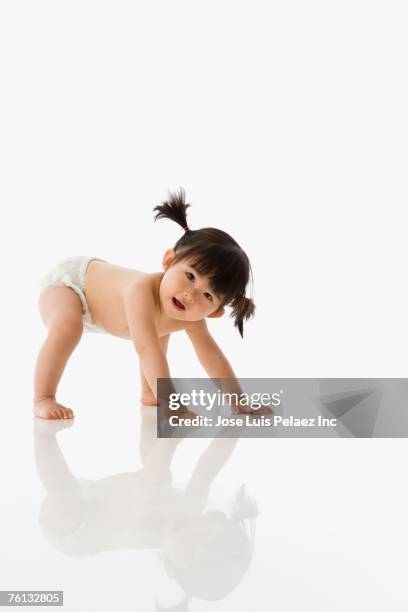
[{"x": 188, "y": 297}]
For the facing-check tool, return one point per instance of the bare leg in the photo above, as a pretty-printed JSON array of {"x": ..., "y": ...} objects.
[
  {"x": 147, "y": 397},
  {"x": 61, "y": 312}
]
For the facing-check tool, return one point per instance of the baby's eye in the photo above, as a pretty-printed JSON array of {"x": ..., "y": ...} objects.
[
  {"x": 190, "y": 274},
  {"x": 208, "y": 296}
]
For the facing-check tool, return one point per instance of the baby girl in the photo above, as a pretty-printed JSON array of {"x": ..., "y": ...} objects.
[{"x": 205, "y": 271}]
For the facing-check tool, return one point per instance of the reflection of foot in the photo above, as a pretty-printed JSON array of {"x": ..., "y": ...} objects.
[
  {"x": 43, "y": 427},
  {"x": 49, "y": 408}
]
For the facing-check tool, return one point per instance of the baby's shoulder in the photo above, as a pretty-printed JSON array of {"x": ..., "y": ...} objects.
[
  {"x": 142, "y": 292},
  {"x": 142, "y": 283}
]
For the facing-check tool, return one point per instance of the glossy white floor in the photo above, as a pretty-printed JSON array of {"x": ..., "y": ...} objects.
[
  {"x": 101, "y": 509},
  {"x": 286, "y": 123}
]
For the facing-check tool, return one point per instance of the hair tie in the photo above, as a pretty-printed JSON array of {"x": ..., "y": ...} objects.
[{"x": 186, "y": 229}]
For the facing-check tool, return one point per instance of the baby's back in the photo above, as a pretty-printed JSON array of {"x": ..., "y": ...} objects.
[{"x": 105, "y": 284}]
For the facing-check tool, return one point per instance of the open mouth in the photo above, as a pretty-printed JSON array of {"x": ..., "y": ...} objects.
[{"x": 178, "y": 304}]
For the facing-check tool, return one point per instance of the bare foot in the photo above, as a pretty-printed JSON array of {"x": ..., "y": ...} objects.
[{"x": 49, "y": 408}]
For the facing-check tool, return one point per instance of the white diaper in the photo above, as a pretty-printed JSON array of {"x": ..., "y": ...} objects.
[{"x": 70, "y": 272}]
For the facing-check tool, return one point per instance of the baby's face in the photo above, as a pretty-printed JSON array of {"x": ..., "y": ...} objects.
[{"x": 185, "y": 295}]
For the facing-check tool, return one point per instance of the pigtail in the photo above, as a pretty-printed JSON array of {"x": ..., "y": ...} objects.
[
  {"x": 245, "y": 510},
  {"x": 174, "y": 208},
  {"x": 244, "y": 506},
  {"x": 242, "y": 308}
]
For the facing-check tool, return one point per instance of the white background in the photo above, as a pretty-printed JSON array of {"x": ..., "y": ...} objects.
[{"x": 286, "y": 124}]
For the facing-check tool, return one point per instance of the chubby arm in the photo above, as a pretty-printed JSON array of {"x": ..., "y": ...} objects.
[
  {"x": 217, "y": 366},
  {"x": 148, "y": 398},
  {"x": 208, "y": 352},
  {"x": 140, "y": 308},
  {"x": 213, "y": 359}
]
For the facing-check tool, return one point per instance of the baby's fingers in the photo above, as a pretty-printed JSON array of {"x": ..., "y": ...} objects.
[{"x": 264, "y": 410}]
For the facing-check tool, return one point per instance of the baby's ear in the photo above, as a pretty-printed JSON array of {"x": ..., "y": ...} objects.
[
  {"x": 216, "y": 314},
  {"x": 168, "y": 258}
]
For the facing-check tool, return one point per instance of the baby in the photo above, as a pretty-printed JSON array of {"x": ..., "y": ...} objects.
[{"x": 205, "y": 271}]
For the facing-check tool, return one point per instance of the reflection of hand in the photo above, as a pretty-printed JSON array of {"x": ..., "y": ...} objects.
[
  {"x": 180, "y": 427},
  {"x": 182, "y": 414}
]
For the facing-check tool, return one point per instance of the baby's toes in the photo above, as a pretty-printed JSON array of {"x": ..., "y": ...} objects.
[{"x": 64, "y": 412}]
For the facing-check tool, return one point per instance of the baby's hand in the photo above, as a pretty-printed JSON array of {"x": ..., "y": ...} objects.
[
  {"x": 182, "y": 412},
  {"x": 263, "y": 410}
]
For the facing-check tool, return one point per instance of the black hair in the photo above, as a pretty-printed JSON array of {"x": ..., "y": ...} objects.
[
  {"x": 213, "y": 253},
  {"x": 216, "y": 565}
]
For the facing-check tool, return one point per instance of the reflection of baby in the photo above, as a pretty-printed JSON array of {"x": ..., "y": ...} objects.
[{"x": 205, "y": 551}]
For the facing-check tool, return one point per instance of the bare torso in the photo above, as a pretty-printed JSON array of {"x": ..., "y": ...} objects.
[{"x": 105, "y": 285}]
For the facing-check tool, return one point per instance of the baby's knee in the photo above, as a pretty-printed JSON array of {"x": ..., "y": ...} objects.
[{"x": 66, "y": 326}]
